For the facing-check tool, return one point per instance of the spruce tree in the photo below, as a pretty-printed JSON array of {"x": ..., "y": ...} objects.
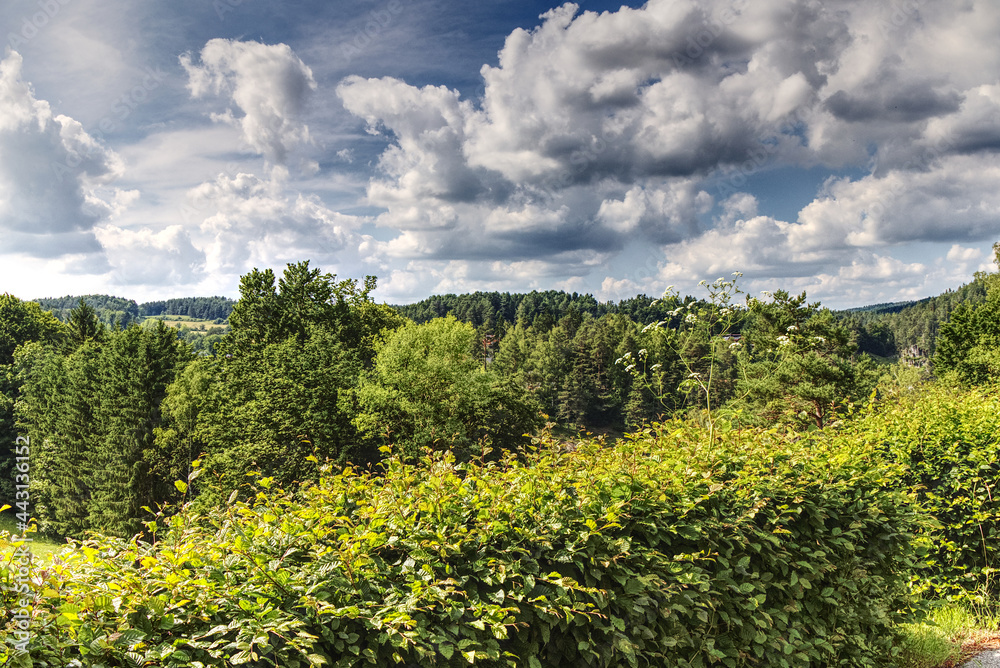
[
  {"x": 74, "y": 460},
  {"x": 129, "y": 473},
  {"x": 42, "y": 378},
  {"x": 83, "y": 325}
]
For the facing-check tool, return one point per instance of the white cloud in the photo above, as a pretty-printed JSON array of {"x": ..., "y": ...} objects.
[
  {"x": 55, "y": 179},
  {"x": 616, "y": 289},
  {"x": 597, "y": 129},
  {"x": 959, "y": 253},
  {"x": 592, "y": 148},
  {"x": 139, "y": 257},
  {"x": 665, "y": 214},
  {"x": 427, "y": 124},
  {"x": 955, "y": 199},
  {"x": 268, "y": 83},
  {"x": 758, "y": 246},
  {"x": 252, "y": 222}
]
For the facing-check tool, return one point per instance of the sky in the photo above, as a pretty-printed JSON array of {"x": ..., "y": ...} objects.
[{"x": 844, "y": 148}]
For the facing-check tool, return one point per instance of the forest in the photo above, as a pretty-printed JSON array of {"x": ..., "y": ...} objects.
[
  {"x": 315, "y": 384},
  {"x": 124, "y": 312},
  {"x": 311, "y": 366}
]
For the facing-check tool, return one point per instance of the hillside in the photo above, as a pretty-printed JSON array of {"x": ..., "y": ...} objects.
[
  {"x": 889, "y": 330},
  {"x": 112, "y": 310},
  {"x": 498, "y": 309},
  {"x": 909, "y": 329}
]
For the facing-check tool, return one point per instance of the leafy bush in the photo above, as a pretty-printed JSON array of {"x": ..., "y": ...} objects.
[
  {"x": 427, "y": 390},
  {"x": 948, "y": 442},
  {"x": 757, "y": 550}
]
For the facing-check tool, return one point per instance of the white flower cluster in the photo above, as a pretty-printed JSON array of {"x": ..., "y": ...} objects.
[{"x": 654, "y": 325}]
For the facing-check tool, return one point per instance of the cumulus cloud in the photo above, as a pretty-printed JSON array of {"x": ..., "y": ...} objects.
[
  {"x": 836, "y": 235},
  {"x": 664, "y": 214},
  {"x": 596, "y": 130},
  {"x": 955, "y": 199},
  {"x": 959, "y": 253},
  {"x": 599, "y": 140},
  {"x": 140, "y": 257},
  {"x": 269, "y": 85},
  {"x": 257, "y": 221},
  {"x": 758, "y": 246},
  {"x": 55, "y": 179}
]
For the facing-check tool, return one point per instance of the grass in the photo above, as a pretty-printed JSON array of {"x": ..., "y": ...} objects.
[
  {"x": 951, "y": 635},
  {"x": 40, "y": 546},
  {"x": 194, "y": 324}
]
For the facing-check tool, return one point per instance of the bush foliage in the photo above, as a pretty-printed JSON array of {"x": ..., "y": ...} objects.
[
  {"x": 761, "y": 549},
  {"x": 947, "y": 441}
]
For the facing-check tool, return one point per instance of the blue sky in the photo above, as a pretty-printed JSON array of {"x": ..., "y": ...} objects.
[{"x": 153, "y": 150}]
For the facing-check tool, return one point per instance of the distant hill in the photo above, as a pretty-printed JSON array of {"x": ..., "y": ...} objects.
[
  {"x": 126, "y": 311},
  {"x": 203, "y": 308},
  {"x": 909, "y": 329},
  {"x": 891, "y": 307},
  {"x": 498, "y": 309},
  {"x": 109, "y": 309}
]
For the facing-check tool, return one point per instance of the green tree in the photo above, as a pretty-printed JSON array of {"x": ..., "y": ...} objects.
[
  {"x": 282, "y": 381},
  {"x": 83, "y": 325},
  {"x": 75, "y": 460},
  {"x": 137, "y": 366},
  {"x": 969, "y": 343},
  {"x": 428, "y": 390},
  {"x": 42, "y": 381},
  {"x": 20, "y": 323},
  {"x": 272, "y": 408},
  {"x": 302, "y": 299},
  {"x": 796, "y": 363},
  {"x": 181, "y": 411}
]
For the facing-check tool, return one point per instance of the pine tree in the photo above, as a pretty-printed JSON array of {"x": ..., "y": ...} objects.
[
  {"x": 129, "y": 472},
  {"x": 83, "y": 325},
  {"x": 41, "y": 376},
  {"x": 79, "y": 430}
]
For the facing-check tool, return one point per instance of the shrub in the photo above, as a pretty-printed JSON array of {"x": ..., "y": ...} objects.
[
  {"x": 757, "y": 550},
  {"x": 948, "y": 442}
]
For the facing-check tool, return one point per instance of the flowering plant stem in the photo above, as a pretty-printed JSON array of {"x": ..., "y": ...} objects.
[{"x": 705, "y": 333}]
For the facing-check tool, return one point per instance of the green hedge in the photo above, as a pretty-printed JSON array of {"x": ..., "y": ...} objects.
[
  {"x": 948, "y": 442},
  {"x": 761, "y": 550}
]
